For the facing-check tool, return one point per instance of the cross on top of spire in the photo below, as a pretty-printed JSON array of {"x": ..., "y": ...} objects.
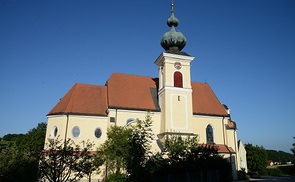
[{"x": 172, "y": 6}]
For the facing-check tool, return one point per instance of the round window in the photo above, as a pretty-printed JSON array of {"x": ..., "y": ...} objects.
[
  {"x": 54, "y": 131},
  {"x": 76, "y": 131},
  {"x": 97, "y": 132}
]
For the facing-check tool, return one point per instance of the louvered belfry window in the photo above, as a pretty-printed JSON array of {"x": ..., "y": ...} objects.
[{"x": 178, "y": 79}]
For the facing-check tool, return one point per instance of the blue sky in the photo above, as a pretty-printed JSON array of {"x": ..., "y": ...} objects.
[{"x": 245, "y": 50}]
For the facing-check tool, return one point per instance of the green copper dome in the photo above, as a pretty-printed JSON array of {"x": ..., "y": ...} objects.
[
  {"x": 173, "y": 41},
  {"x": 172, "y": 21}
]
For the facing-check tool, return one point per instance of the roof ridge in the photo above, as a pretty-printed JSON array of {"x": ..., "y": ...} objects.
[
  {"x": 131, "y": 74},
  {"x": 203, "y": 83},
  {"x": 90, "y": 84}
]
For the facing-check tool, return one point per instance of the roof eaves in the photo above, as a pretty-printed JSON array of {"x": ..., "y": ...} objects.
[
  {"x": 76, "y": 113},
  {"x": 231, "y": 151},
  {"x": 211, "y": 114},
  {"x": 137, "y": 109}
]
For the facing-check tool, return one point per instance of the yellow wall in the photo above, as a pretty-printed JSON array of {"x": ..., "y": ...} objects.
[
  {"x": 200, "y": 124},
  {"x": 86, "y": 124}
]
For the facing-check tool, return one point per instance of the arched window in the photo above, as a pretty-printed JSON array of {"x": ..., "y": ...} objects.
[
  {"x": 178, "y": 79},
  {"x": 130, "y": 120},
  {"x": 209, "y": 134}
]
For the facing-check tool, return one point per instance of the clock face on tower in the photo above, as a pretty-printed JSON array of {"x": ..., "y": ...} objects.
[{"x": 177, "y": 65}]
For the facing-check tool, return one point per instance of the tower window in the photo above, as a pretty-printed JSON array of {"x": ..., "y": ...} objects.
[
  {"x": 209, "y": 134},
  {"x": 178, "y": 79}
]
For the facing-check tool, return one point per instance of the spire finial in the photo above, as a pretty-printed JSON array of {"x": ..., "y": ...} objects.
[
  {"x": 172, "y": 21},
  {"x": 174, "y": 40}
]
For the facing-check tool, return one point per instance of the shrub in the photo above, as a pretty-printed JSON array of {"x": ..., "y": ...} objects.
[
  {"x": 263, "y": 172},
  {"x": 287, "y": 170},
  {"x": 116, "y": 177},
  {"x": 274, "y": 172}
]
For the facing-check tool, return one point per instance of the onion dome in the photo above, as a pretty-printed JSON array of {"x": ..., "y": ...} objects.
[{"x": 173, "y": 41}]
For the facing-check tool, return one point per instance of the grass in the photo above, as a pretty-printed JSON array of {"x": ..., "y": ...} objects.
[{"x": 3, "y": 144}]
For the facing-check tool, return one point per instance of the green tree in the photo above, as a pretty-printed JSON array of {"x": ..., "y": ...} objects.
[
  {"x": 182, "y": 154},
  {"x": 17, "y": 165},
  {"x": 279, "y": 156},
  {"x": 140, "y": 150},
  {"x": 11, "y": 137},
  {"x": 176, "y": 155},
  {"x": 115, "y": 150},
  {"x": 33, "y": 140},
  {"x": 3, "y": 145},
  {"x": 19, "y": 158},
  {"x": 65, "y": 161},
  {"x": 256, "y": 158},
  {"x": 92, "y": 166},
  {"x": 178, "y": 148},
  {"x": 127, "y": 149}
]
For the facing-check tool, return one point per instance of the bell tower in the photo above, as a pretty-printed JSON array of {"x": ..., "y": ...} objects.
[{"x": 175, "y": 91}]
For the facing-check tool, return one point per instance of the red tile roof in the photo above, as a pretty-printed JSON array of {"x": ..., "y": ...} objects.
[
  {"x": 83, "y": 99},
  {"x": 224, "y": 149},
  {"x": 221, "y": 148},
  {"x": 231, "y": 124},
  {"x": 205, "y": 101},
  {"x": 132, "y": 92}
]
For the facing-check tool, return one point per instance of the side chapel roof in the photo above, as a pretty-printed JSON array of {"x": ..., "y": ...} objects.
[
  {"x": 83, "y": 99},
  {"x": 131, "y": 92}
]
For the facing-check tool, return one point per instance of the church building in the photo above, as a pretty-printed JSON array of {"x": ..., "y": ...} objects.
[{"x": 177, "y": 105}]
